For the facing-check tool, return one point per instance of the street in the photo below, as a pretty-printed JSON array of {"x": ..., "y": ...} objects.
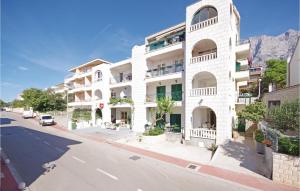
[{"x": 49, "y": 159}]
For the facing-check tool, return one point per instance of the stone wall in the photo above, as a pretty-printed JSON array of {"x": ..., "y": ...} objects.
[{"x": 286, "y": 169}]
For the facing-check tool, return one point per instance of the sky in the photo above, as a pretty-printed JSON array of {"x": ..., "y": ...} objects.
[{"x": 42, "y": 39}]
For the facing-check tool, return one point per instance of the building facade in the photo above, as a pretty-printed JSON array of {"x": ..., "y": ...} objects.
[{"x": 194, "y": 63}]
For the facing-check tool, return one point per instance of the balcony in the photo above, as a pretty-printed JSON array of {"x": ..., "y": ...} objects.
[
  {"x": 204, "y": 24},
  {"x": 175, "y": 96},
  {"x": 207, "y": 91},
  {"x": 80, "y": 87},
  {"x": 81, "y": 102},
  {"x": 78, "y": 75},
  {"x": 162, "y": 71},
  {"x": 166, "y": 42},
  {"x": 246, "y": 100},
  {"x": 116, "y": 102},
  {"x": 204, "y": 57},
  {"x": 203, "y": 133},
  {"x": 118, "y": 81},
  {"x": 242, "y": 48}
]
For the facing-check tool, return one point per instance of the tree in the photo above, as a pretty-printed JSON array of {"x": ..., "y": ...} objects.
[
  {"x": 2, "y": 103},
  {"x": 164, "y": 106},
  {"x": 276, "y": 73},
  {"x": 43, "y": 101},
  {"x": 254, "y": 112},
  {"x": 31, "y": 97},
  {"x": 285, "y": 117},
  {"x": 17, "y": 103}
]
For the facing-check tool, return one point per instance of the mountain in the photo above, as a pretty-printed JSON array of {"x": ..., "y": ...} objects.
[{"x": 266, "y": 47}]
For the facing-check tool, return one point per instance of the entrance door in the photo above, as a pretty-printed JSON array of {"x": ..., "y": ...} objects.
[
  {"x": 176, "y": 92},
  {"x": 175, "y": 120},
  {"x": 160, "y": 92},
  {"x": 124, "y": 117}
]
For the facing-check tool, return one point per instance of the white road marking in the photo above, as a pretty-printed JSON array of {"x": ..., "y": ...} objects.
[
  {"x": 78, "y": 159},
  {"x": 45, "y": 142},
  {"x": 107, "y": 174},
  {"x": 59, "y": 150}
]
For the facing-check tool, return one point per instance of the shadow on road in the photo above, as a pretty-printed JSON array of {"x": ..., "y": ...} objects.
[
  {"x": 5, "y": 121},
  {"x": 33, "y": 153}
]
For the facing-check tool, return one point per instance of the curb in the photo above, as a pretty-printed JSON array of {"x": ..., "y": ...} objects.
[{"x": 19, "y": 181}]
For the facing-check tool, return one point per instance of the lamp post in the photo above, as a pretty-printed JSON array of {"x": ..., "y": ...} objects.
[{"x": 259, "y": 82}]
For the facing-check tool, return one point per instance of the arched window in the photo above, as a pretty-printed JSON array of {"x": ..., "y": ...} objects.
[
  {"x": 98, "y": 75},
  {"x": 204, "y": 14}
]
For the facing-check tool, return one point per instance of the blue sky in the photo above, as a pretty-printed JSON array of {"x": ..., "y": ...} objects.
[{"x": 41, "y": 39}]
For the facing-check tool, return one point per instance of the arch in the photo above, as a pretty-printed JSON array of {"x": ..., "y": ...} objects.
[
  {"x": 98, "y": 75},
  {"x": 98, "y": 94},
  {"x": 204, "y": 79},
  {"x": 204, "y": 47},
  {"x": 204, "y": 14},
  {"x": 204, "y": 117}
]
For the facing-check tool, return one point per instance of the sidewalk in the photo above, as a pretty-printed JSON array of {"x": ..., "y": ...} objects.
[
  {"x": 240, "y": 156},
  {"x": 175, "y": 149}
]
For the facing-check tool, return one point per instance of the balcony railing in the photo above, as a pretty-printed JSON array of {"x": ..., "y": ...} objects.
[
  {"x": 204, "y": 57},
  {"x": 80, "y": 86},
  {"x": 118, "y": 79},
  {"x": 203, "y": 133},
  {"x": 204, "y": 24},
  {"x": 168, "y": 41},
  {"x": 175, "y": 96},
  {"x": 171, "y": 69},
  {"x": 242, "y": 41},
  {"x": 246, "y": 100},
  {"x": 208, "y": 91},
  {"x": 77, "y": 74}
]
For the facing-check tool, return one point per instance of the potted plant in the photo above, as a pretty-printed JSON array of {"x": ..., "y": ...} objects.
[{"x": 259, "y": 137}]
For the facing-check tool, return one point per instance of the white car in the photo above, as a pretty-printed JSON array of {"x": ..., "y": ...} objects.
[
  {"x": 46, "y": 120},
  {"x": 28, "y": 114}
]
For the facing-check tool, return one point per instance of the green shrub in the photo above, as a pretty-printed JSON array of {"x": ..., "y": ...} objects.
[
  {"x": 114, "y": 101},
  {"x": 259, "y": 136},
  {"x": 285, "y": 117},
  {"x": 82, "y": 114},
  {"x": 290, "y": 146},
  {"x": 154, "y": 132}
]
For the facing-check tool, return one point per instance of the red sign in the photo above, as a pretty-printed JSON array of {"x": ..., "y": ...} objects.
[{"x": 101, "y": 105}]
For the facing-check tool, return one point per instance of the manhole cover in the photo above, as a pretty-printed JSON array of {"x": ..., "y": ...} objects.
[
  {"x": 193, "y": 166},
  {"x": 134, "y": 157}
]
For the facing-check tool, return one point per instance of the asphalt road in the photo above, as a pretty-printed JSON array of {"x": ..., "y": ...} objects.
[{"x": 48, "y": 159}]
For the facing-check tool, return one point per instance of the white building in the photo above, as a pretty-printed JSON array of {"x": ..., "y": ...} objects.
[{"x": 193, "y": 62}]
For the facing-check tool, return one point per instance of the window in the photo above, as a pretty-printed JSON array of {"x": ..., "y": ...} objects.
[
  {"x": 204, "y": 14},
  {"x": 98, "y": 76},
  {"x": 113, "y": 94}
]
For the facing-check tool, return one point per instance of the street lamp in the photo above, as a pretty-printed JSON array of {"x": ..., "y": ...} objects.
[{"x": 259, "y": 82}]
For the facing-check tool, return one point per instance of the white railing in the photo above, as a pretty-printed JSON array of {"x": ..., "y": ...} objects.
[
  {"x": 204, "y": 57},
  {"x": 203, "y": 24},
  {"x": 203, "y": 133},
  {"x": 208, "y": 91}
]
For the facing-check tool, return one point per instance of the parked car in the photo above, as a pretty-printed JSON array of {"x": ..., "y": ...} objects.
[
  {"x": 28, "y": 114},
  {"x": 46, "y": 120}
]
